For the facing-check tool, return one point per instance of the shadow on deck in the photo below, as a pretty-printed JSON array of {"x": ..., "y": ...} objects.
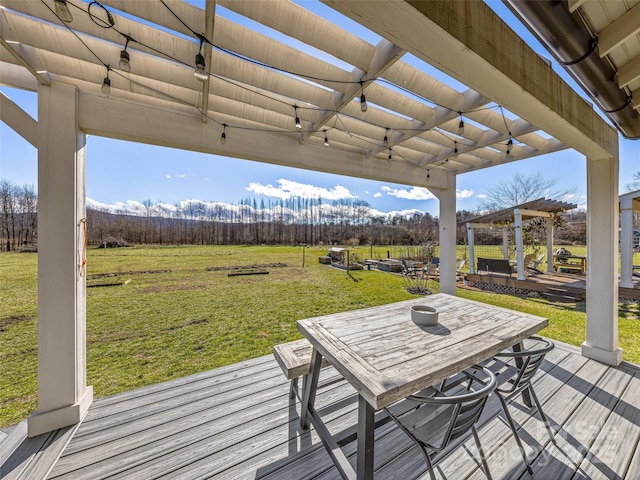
[{"x": 237, "y": 422}]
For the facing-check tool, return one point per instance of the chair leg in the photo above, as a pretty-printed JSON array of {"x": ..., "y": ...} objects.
[
  {"x": 543, "y": 416},
  {"x": 432, "y": 472},
  {"x": 485, "y": 466},
  {"x": 515, "y": 433}
]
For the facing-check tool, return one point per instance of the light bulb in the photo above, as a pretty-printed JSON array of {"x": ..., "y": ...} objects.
[
  {"x": 509, "y": 155},
  {"x": 455, "y": 151},
  {"x": 62, "y": 10},
  {"x": 106, "y": 85},
  {"x": 223, "y": 138},
  {"x": 124, "y": 61},
  {"x": 200, "y": 72},
  {"x": 298, "y": 124},
  {"x": 461, "y": 127},
  {"x": 363, "y": 103},
  {"x": 326, "y": 140}
]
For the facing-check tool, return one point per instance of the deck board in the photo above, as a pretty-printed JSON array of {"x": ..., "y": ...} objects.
[{"x": 238, "y": 422}]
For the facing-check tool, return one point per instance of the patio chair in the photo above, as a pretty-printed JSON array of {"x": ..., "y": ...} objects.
[
  {"x": 536, "y": 262},
  {"x": 515, "y": 379},
  {"x": 435, "y": 417}
]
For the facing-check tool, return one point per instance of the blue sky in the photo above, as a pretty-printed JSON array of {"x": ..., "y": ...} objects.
[{"x": 121, "y": 173}]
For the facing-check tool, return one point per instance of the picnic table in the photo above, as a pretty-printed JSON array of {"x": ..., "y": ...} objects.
[
  {"x": 386, "y": 357},
  {"x": 570, "y": 263}
]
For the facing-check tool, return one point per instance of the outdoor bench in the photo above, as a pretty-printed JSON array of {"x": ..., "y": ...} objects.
[
  {"x": 295, "y": 360},
  {"x": 494, "y": 265}
]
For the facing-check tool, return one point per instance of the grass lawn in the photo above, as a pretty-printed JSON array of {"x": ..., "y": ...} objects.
[{"x": 160, "y": 326}]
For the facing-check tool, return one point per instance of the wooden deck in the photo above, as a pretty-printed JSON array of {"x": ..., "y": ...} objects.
[
  {"x": 237, "y": 422},
  {"x": 545, "y": 281}
]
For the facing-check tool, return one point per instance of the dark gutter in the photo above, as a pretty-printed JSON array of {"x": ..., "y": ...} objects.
[{"x": 567, "y": 38}]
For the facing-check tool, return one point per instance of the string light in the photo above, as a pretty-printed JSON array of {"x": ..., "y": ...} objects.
[
  {"x": 223, "y": 137},
  {"x": 203, "y": 75},
  {"x": 455, "y": 149},
  {"x": 461, "y": 125},
  {"x": 106, "y": 83},
  {"x": 363, "y": 100},
  {"x": 509, "y": 155},
  {"x": 385, "y": 142},
  {"x": 200, "y": 72},
  {"x": 124, "y": 63},
  {"x": 326, "y": 140},
  {"x": 62, "y": 11},
  {"x": 298, "y": 124},
  {"x": 428, "y": 174}
]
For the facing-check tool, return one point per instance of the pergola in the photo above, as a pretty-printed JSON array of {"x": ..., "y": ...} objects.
[
  {"x": 513, "y": 217},
  {"x": 254, "y": 87},
  {"x": 629, "y": 203}
]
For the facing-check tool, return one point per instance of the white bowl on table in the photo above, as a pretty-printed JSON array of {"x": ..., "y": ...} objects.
[{"x": 424, "y": 315}]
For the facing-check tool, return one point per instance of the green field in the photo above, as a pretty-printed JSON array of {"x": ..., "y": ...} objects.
[{"x": 160, "y": 326}]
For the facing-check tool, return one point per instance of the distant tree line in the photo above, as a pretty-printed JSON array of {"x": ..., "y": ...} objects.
[
  {"x": 18, "y": 216},
  {"x": 292, "y": 221}
]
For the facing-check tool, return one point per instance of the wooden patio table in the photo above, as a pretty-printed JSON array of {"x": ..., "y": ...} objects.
[{"x": 386, "y": 357}]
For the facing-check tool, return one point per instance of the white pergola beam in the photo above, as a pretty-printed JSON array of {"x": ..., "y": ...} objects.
[
  {"x": 629, "y": 72},
  {"x": 385, "y": 55},
  {"x": 460, "y": 38},
  {"x": 209, "y": 20},
  {"x": 618, "y": 32},
  {"x": 575, "y": 4},
  {"x": 19, "y": 120},
  {"x": 533, "y": 213},
  {"x": 126, "y": 120}
]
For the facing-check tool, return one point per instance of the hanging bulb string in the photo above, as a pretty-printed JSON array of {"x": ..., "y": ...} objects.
[
  {"x": 202, "y": 38},
  {"x": 100, "y": 22},
  {"x": 130, "y": 39}
]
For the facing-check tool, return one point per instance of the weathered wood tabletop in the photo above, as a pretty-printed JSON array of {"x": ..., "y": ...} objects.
[{"x": 386, "y": 357}]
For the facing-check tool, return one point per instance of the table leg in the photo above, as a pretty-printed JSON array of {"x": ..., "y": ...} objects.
[
  {"x": 310, "y": 385},
  {"x": 366, "y": 428},
  {"x": 526, "y": 396}
]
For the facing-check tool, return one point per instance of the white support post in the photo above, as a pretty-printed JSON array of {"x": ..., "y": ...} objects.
[
  {"x": 63, "y": 397},
  {"x": 505, "y": 243},
  {"x": 602, "y": 261},
  {"x": 472, "y": 255},
  {"x": 517, "y": 221},
  {"x": 550, "y": 235},
  {"x": 447, "y": 217},
  {"x": 626, "y": 243}
]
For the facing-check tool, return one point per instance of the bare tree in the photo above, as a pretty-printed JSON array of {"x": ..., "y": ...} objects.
[
  {"x": 521, "y": 189},
  {"x": 635, "y": 185}
]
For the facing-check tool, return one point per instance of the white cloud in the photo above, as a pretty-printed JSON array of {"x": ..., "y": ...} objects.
[
  {"x": 464, "y": 194},
  {"x": 416, "y": 193},
  {"x": 481, "y": 196},
  {"x": 377, "y": 195},
  {"x": 288, "y": 188},
  {"x": 397, "y": 213},
  {"x": 181, "y": 176}
]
